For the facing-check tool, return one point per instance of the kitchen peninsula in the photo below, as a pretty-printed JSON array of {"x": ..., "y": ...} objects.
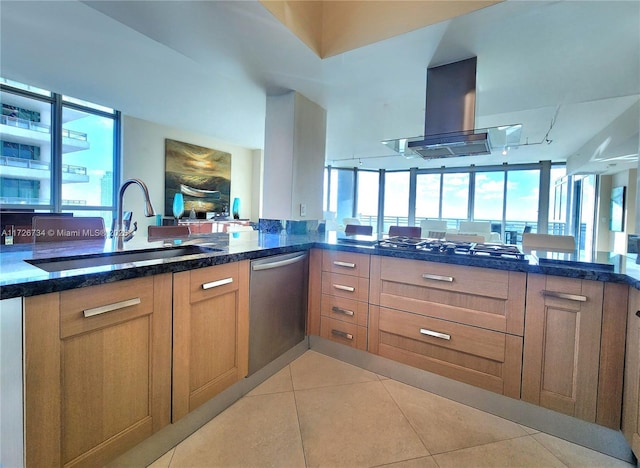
[{"x": 492, "y": 303}]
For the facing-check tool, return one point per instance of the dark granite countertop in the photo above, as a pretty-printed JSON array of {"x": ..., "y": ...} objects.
[{"x": 19, "y": 278}]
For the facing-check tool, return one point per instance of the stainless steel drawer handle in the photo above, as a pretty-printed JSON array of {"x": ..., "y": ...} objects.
[
  {"x": 340, "y": 310},
  {"x": 448, "y": 279},
  {"x": 345, "y": 264},
  {"x": 214, "y": 284},
  {"x": 559, "y": 295},
  {"x": 435, "y": 334},
  {"x": 111, "y": 307},
  {"x": 344, "y": 288},
  {"x": 342, "y": 334}
]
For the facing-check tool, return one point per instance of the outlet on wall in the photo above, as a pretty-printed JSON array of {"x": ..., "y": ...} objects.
[{"x": 303, "y": 209}]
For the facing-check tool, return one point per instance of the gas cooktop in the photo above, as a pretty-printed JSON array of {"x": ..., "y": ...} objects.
[{"x": 441, "y": 246}]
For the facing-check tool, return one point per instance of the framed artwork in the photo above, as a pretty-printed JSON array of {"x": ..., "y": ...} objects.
[
  {"x": 617, "y": 209},
  {"x": 202, "y": 175}
]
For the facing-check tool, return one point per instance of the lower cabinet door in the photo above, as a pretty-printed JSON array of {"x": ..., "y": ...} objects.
[
  {"x": 98, "y": 370},
  {"x": 562, "y": 344},
  {"x": 210, "y": 333}
]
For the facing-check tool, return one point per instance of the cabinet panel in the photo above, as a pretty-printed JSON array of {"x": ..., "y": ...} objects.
[
  {"x": 482, "y": 297},
  {"x": 562, "y": 344},
  {"x": 97, "y": 385},
  {"x": 480, "y": 357},
  {"x": 347, "y": 263},
  {"x": 343, "y": 332},
  {"x": 346, "y": 310},
  {"x": 210, "y": 333},
  {"x": 351, "y": 287},
  {"x": 631, "y": 405}
]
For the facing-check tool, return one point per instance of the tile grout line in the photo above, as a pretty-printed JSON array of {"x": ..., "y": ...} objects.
[{"x": 295, "y": 404}]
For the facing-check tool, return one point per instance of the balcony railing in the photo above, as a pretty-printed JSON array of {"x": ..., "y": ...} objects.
[
  {"x": 24, "y": 163},
  {"x": 39, "y": 127}
]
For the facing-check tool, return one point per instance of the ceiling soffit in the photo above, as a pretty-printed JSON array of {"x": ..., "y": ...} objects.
[{"x": 330, "y": 27}]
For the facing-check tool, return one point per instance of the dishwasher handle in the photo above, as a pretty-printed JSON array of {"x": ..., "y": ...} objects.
[{"x": 278, "y": 263}]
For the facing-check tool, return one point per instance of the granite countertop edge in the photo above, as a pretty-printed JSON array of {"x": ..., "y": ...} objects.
[{"x": 35, "y": 281}]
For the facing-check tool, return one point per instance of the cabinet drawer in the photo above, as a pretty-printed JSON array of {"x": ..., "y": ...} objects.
[
  {"x": 342, "y": 332},
  {"x": 472, "y": 280},
  {"x": 212, "y": 281},
  {"x": 350, "y": 287},
  {"x": 95, "y": 307},
  {"x": 484, "y": 358},
  {"x": 481, "y": 297},
  {"x": 345, "y": 310},
  {"x": 347, "y": 263}
]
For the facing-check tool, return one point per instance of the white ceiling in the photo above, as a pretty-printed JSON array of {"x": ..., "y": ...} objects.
[{"x": 207, "y": 66}]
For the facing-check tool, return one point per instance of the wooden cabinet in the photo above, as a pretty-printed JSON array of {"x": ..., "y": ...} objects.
[
  {"x": 631, "y": 404},
  {"x": 210, "y": 333},
  {"x": 461, "y": 322},
  {"x": 341, "y": 284},
  {"x": 97, "y": 370},
  {"x": 572, "y": 363}
]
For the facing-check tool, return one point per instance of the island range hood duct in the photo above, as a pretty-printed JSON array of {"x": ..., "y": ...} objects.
[{"x": 450, "y": 114}]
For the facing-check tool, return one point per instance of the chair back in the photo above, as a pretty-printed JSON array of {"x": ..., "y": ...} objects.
[
  {"x": 358, "y": 229},
  {"x": 407, "y": 231},
  {"x": 548, "y": 242},
  {"x": 167, "y": 232},
  {"x": 433, "y": 228},
  {"x": 67, "y": 228}
]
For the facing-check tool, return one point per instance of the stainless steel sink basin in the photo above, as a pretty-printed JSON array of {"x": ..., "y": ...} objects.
[{"x": 115, "y": 258}]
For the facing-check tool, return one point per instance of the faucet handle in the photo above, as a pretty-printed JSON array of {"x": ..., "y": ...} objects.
[{"x": 128, "y": 235}]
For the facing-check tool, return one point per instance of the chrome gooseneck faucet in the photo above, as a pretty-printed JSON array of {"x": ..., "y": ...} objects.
[{"x": 148, "y": 210}]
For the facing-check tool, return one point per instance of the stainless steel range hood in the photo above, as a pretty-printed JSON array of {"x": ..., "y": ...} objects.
[{"x": 450, "y": 118}]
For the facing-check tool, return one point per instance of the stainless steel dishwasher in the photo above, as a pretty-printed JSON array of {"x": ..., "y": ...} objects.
[{"x": 277, "y": 306}]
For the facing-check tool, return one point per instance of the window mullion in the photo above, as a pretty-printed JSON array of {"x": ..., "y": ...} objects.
[{"x": 56, "y": 153}]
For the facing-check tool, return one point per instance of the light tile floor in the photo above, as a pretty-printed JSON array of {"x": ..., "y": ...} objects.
[{"x": 319, "y": 411}]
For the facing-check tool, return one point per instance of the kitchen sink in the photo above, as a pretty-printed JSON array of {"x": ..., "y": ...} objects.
[{"x": 115, "y": 258}]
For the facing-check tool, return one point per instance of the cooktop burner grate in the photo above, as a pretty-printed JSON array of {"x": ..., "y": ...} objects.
[{"x": 441, "y": 246}]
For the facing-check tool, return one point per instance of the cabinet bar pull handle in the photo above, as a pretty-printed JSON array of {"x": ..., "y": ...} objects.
[
  {"x": 448, "y": 279},
  {"x": 345, "y": 264},
  {"x": 344, "y": 288},
  {"x": 214, "y": 284},
  {"x": 435, "y": 334},
  {"x": 559, "y": 295},
  {"x": 342, "y": 311},
  {"x": 111, "y": 307},
  {"x": 342, "y": 334}
]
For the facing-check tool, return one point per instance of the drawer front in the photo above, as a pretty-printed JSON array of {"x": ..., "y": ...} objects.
[
  {"x": 480, "y": 297},
  {"x": 341, "y": 332},
  {"x": 471, "y": 280},
  {"x": 213, "y": 281},
  {"x": 346, "y": 263},
  {"x": 350, "y": 287},
  {"x": 441, "y": 333},
  {"x": 95, "y": 307},
  {"x": 345, "y": 310},
  {"x": 483, "y": 358}
]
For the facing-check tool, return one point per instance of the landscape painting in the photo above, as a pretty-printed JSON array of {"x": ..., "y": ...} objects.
[{"x": 202, "y": 175}]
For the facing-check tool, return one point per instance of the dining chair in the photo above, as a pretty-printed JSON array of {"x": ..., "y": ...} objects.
[
  {"x": 358, "y": 229},
  {"x": 407, "y": 231},
  {"x": 549, "y": 242}
]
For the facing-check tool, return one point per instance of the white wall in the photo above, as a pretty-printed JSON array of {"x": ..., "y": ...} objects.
[{"x": 143, "y": 157}]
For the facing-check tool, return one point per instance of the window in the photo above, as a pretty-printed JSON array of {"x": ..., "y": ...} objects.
[
  {"x": 455, "y": 196},
  {"x": 396, "y": 199},
  {"x": 427, "y": 196},
  {"x": 368, "y": 188},
  {"x": 523, "y": 189},
  {"x": 57, "y": 164}
]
